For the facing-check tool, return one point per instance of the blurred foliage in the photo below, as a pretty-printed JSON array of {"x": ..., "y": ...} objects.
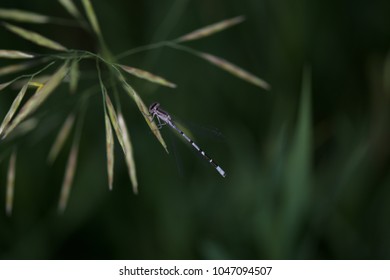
[{"x": 307, "y": 162}]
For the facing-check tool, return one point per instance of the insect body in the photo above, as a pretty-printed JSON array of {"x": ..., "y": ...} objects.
[{"x": 164, "y": 118}]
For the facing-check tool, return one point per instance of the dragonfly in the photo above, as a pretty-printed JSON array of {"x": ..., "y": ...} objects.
[{"x": 163, "y": 118}]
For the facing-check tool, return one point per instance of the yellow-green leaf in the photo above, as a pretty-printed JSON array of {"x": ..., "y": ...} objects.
[
  {"x": 34, "y": 37},
  {"x": 147, "y": 76},
  {"x": 109, "y": 150},
  {"x": 113, "y": 118},
  {"x": 91, "y": 16},
  {"x": 14, "y": 107},
  {"x": 74, "y": 76},
  {"x": 71, "y": 8},
  {"x": 124, "y": 140},
  {"x": 4, "y": 85},
  {"x": 10, "y": 184},
  {"x": 68, "y": 178},
  {"x": 211, "y": 29},
  {"x": 14, "y": 68},
  {"x": 63, "y": 134},
  {"x": 23, "y": 16},
  {"x": 128, "y": 151},
  {"x": 235, "y": 70},
  {"x": 38, "y": 98},
  {"x": 14, "y": 54},
  {"x": 143, "y": 109}
]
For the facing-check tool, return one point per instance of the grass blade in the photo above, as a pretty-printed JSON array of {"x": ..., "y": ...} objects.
[
  {"x": 147, "y": 76},
  {"x": 14, "y": 107},
  {"x": 128, "y": 150},
  {"x": 124, "y": 140},
  {"x": 14, "y": 54},
  {"x": 34, "y": 37},
  {"x": 235, "y": 70},
  {"x": 74, "y": 76},
  {"x": 298, "y": 181},
  {"x": 10, "y": 69},
  {"x": 114, "y": 119},
  {"x": 39, "y": 97},
  {"x": 23, "y": 16},
  {"x": 4, "y": 85},
  {"x": 68, "y": 178},
  {"x": 109, "y": 150},
  {"x": 62, "y": 136},
  {"x": 10, "y": 184},
  {"x": 211, "y": 29},
  {"x": 71, "y": 8},
  {"x": 92, "y": 17},
  {"x": 143, "y": 109}
]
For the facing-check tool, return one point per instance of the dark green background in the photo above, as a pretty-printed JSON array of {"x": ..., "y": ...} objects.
[{"x": 308, "y": 169}]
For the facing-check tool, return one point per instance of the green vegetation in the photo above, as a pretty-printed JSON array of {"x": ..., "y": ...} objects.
[{"x": 307, "y": 160}]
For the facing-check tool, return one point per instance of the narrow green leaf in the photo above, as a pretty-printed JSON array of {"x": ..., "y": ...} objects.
[
  {"x": 143, "y": 109},
  {"x": 147, "y": 76},
  {"x": 128, "y": 150},
  {"x": 91, "y": 16},
  {"x": 235, "y": 70},
  {"x": 10, "y": 184},
  {"x": 124, "y": 140},
  {"x": 14, "y": 68},
  {"x": 4, "y": 85},
  {"x": 61, "y": 138},
  {"x": 109, "y": 150},
  {"x": 71, "y": 8},
  {"x": 68, "y": 178},
  {"x": 298, "y": 170},
  {"x": 38, "y": 98},
  {"x": 74, "y": 76},
  {"x": 23, "y": 16},
  {"x": 34, "y": 37},
  {"x": 211, "y": 29},
  {"x": 114, "y": 119},
  {"x": 14, "y": 107},
  {"x": 14, "y": 54},
  {"x": 24, "y": 127}
]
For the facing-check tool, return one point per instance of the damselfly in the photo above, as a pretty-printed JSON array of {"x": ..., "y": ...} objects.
[{"x": 164, "y": 118}]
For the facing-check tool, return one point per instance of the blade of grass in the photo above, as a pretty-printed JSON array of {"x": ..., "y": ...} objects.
[
  {"x": 10, "y": 184},
  {"x": 34, "y": 37},
  {"x": 128, "y": 153},
  {"x": 235, "y": 70},
  {"x": 298, "y": 170},
  {"x": 24, "y": 127},
  {"x": 109, "y": 150},
  {"x": 14, "y": 107},
  {"x": 10, "y": 69},
  {"x": 71, "y": 8},
  {"x": 114, "y": 119},
  {"x": 123, "y": 139},
  {"x": 108, "y": 127},
  {"x": 225, "y": 65},
  {"x": 4, "y": 85},
  {"x": 23, "y": 16},
  {"x": 92, "y": 17},
  {"x": 15, "y": 54},
  {"x": 61, "y": 138},
  {"x": 147, "y": 76},
  {"x": 74, "y": 11},
  {"x": 143, "y": 109},
  {"x": 72, "y": 160},
  {"x": 68, "y": 177},
  {"x": 74, "y": 76},
  {"x": 210, "y": 29},
  {"x": 38, "y": 98}
]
